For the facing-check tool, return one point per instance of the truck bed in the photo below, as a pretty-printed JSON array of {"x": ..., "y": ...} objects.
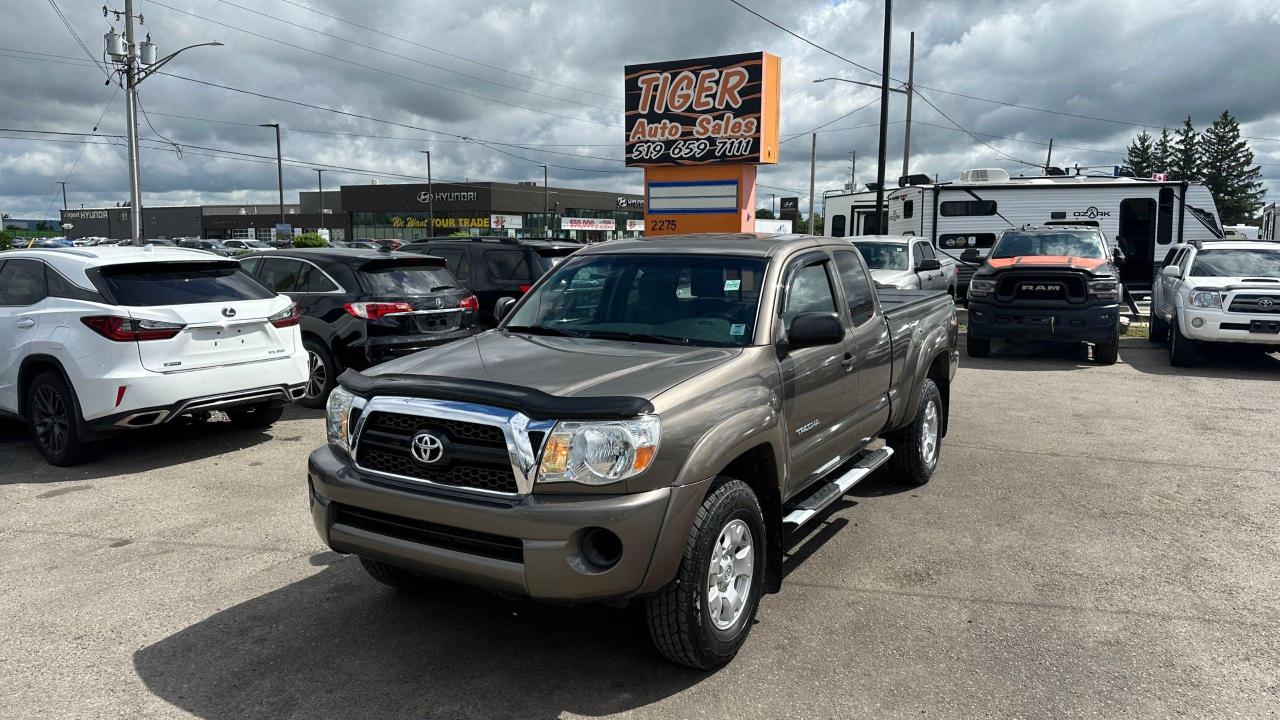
[{"x": 897, "y": 302}]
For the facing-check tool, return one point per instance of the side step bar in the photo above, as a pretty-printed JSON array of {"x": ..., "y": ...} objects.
[{"x": 832, "y": 490}]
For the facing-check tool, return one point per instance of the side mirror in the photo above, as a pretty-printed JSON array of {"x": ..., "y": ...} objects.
[
  {"x": 502, "y": 307},
  {"x": 814, "y": 328},
  {"x": 1172, "y": 271},
  {"x": 1117, "y": 256},
  {"x": 971, "y": 255},
  {"x": 928, "y": 265}
]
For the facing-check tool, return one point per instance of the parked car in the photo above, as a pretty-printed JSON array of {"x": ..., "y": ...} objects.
[
  {"x": 362, "y": 307},
  {"x": 649, "y": 422},
  {"x": 105, "y": 340},
  {"x": 47, "y": 243},
  {"x": 1221, "y": 292},
  {"x": 357, "y": 245},
  {"x": 907, "y": 263},
  {"x": 213, "y": 246},
  {"x": 494, "y": 267},
  {"x": 1052, "y": 283},
  {"x": 246, "y": 245}
]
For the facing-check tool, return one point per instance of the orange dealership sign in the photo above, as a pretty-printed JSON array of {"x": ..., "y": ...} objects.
[{"x": 715, "y": 110}]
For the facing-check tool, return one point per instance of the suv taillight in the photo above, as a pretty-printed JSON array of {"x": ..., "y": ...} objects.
[
  {"x": 377, "y": 310},
  {"x": 287, "y": 317},
  {"x": 469, "y": 303},
  {"x": 123, "y": 329}
]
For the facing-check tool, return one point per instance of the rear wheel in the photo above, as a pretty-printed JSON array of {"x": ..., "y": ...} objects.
[
  {"x": 1107, "y": 353},
  {"x": 977, "y": 347},
  {"x": 1158, "y": 331},
  {"x": 255, "y": 416},
  {"x": 917, "y": 446},
  {"x": 1182, "y": 349},
  {"x": 54, "y": 418},
  {"x": 702, "y": 617},
  {"x": 322, "y": 373}
]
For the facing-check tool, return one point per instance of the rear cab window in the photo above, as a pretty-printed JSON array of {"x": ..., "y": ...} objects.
[{"x": 177, "y": 283}]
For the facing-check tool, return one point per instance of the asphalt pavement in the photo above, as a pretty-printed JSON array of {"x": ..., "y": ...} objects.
[{"x": 1098, "y": 542}]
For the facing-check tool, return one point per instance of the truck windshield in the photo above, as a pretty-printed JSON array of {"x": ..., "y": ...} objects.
[
  {"x": 1237, "y": 263},
  {"x": 673, "y": 299},
  {"x": 1081, "y": 244},
  {"x": 883, "y": 256}
]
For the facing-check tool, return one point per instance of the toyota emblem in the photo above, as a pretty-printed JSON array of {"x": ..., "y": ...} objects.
[
  {"x": 1266, "y": 303},
  {"x": 228, "y": 312},
  {"x": 426, "y": 448}
]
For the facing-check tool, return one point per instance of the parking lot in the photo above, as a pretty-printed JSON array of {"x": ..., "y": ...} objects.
[{"x": 1097, "y": 542}]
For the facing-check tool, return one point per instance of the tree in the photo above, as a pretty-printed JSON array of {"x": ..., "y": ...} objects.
[
  {"x": 1186, "y": 153},
  {"x": 764, "y": 214},
  {"x": 1141, "y": 159},
  {"x": 1162, "y": 154},
  {"x": 1226, "y": 162},
  {"x": 310, "y": 240}
]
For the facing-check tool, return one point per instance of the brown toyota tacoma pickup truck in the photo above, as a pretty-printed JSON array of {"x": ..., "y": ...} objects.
[{"x": 649, "y": 422}]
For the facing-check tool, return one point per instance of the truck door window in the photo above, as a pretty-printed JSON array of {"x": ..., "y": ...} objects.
[
  {"x": 809, "y": 291},
  {"x": 1169, "y": 257},
  {"x": 924, "y": 251},
  {"x": 857, "y": 288}
]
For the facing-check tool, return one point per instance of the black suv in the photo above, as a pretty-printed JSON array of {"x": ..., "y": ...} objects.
[
  {"x": 1053, "y": 283},
  {"x": 362, "y": 307},
  {"x": 495, "y": 267}
]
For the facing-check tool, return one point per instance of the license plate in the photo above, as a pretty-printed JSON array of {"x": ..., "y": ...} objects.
[
  {"x": 437, "y": 323},
  {"x": 1270, "y": 327}
]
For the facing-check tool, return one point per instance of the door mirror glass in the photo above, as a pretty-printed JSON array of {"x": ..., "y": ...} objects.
[
  {"x": 503, "y": 306},
  {"x": 928, "y": 265},
  {"x": 971, "y": 255},
  {"x": 811, "y": 329}
]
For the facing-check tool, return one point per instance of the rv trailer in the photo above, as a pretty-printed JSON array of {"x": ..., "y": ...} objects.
[
  {"x": 1268, "y": 230},
  {"x": 1144, "y": 217}
]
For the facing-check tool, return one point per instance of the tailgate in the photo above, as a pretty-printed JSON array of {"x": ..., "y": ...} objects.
[{"x": 211, "y": 338}]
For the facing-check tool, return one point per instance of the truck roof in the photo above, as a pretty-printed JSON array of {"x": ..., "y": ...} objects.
[{"x": 754, "y": 244}]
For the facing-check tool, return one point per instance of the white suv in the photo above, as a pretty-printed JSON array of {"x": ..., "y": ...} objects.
[
  {"x": 99, "y": 339},
  {"x": 1218, "y": 292}
]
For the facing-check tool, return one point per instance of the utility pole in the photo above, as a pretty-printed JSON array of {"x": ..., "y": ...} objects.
[
  {"x": 130, "y": 57},
  {"x": 63, "y": 183},
  {"x": 431, "y": 198},
  {"x": 320, "y": 188},
  {"x": 279, "y": 166},
  {"x": 546, "y": 203},
  {"x": 911, "y": 88},
  {"x": 773, "y": 204},
  {"x": 1048, "y": 160},
  {"x": 853, "y": 170},
  {"x": 813, "y": 164},
  {"x": 884, "y": 116}
]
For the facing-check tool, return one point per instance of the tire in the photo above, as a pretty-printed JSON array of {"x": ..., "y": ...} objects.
[
  {"x": 680, "y": 616},
  {"x": 917, "y": 447},
  {"x": 255, "y": 416},
  {"x": 392, "y": 576},
  {"x": 977, "y": 347},
  {"x": 1159, "y": 329},
  {"x": 1182, "y": 349},
  {"x": 53, "y": 416},
  {"x": 1107, "y": 353},
  {"x": 322, "y": 374}
]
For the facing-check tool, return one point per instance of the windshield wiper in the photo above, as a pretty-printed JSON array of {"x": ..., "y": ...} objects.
[
  {"x": 636, "y": 336},
  {"x": 542, "y": 330},
  {"x": 438, "y": 288}
]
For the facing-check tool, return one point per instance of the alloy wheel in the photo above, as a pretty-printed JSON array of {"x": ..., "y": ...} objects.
[
  {"x": 729, "y": 574},
  {"x": 317, "y": 374},
  {"x": 929, "y": 434},
  {"x": 49, "y": 418}
]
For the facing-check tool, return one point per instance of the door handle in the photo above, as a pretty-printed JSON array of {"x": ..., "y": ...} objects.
[
  {"x": 25, "y": 323},
  {"x": 847, "y": 362}
]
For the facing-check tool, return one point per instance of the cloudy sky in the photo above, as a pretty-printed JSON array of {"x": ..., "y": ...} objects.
[{"x": 496, "y": 89}]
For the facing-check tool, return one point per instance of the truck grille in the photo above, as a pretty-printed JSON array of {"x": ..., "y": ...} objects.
[
  {"x": 1018, "y": 286},
  {"x": 429, "y": 533},
  {"x": 473, "y": 456},
  {"x": 1254, "y": 303}
]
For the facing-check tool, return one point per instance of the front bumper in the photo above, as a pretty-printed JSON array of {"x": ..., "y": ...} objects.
[
  {"x": 1215, "y": 325},
  {"x": 1096, "y": 323},
  {"x": 531, "y": 546}
]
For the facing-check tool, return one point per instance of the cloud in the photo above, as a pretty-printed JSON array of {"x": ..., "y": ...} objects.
[{"x": 1131, "y": 60}]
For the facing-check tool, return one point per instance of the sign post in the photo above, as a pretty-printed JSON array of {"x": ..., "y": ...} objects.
[{"x": 699, "y": 128}]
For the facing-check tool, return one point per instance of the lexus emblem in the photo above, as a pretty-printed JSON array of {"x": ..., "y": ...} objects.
[
  {"x": 1266, "y": 303},
  {"x": 228, "y": 312},
  {"x": 426, "y": 448}
]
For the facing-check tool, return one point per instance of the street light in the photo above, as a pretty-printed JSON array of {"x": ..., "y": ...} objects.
[{"x": 279, "y": 166}]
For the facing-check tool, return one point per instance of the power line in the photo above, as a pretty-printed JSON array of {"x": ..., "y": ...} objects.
[
  {"x": 357, "y": 43},
  {"x": 873, "y": 101},
  {"x": 446, "y": 53},
  {"x": 76, "y": 36},
  {"x": 539, "y": 162},
  {"x": 972, "y": 135},
  {"x": 804, "y": 39},
  {"x": 381, "y": 70}
]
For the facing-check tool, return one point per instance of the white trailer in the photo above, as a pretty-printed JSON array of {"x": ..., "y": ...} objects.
[
  {"x": 851, "y": 214},
  {"x": 1270, "y": 218},
  {"x": 1144, "y": 217}
]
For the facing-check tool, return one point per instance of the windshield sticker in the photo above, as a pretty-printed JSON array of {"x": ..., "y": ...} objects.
[
  {"x": 737, "y": 328},
  {"x": 732, "y": 285}
]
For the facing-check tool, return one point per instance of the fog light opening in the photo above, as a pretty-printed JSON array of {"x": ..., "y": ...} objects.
[
  {"x": 1197, "y": 322},
  {"x": 601, "y": 548}
]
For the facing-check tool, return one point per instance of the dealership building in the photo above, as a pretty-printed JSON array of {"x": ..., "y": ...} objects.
[{"x": 403, "y": 211}]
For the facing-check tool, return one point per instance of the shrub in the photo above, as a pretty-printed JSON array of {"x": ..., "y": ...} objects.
[
  {"x": 310, "y": 240},
  {"x": 6, "y": 240}
]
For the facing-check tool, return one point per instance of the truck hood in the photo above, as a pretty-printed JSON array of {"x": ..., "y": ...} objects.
[
  {"x": 562, "y": 366},
  {"x": 900, "y": 279},
  {"x": 1094, "y": 266},
  {"x": 1235, "y": 283}
]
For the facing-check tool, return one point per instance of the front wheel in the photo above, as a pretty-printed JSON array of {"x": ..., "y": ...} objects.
[
  {"x": 1107, "y": 353},
  {"x": 702, "y": 617},
  {"x": 1182, "y": 349},
  {"x": 1158, "y": 328},
  {"x": 917, "y": 446}
]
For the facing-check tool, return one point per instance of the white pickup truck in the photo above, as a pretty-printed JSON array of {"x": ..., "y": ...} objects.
[
  {"x": 904, "y": 262},
  {"x": 1217, "y": 292}
]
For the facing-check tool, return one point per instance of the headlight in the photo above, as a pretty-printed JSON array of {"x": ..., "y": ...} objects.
[
  {"x": 1205, "y": 299},
  {"x": 337, "y": 419},
  {"x": 1104, "y": 289},
  {"x": 597, "y": 453},
  {"x": 981, "y": 287}
]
